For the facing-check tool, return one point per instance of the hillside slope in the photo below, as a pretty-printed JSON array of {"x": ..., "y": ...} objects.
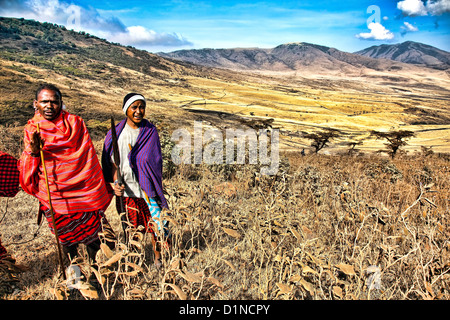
[
  {"x": 85, "y": 55},
  {"x": 93, "y": 73},
  {"x": 410, "y": 52}
]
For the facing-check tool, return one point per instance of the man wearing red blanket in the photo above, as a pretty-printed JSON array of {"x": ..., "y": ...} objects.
[{"x": 79, "y": 194}]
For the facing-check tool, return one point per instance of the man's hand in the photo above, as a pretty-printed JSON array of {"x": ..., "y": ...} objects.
[
  {"x": 35, "y": 144},
  {"x": 118, "y": 189}
]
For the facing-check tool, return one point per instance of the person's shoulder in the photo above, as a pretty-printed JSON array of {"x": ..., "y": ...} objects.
[
  {"x": 75, "y": 121},
  {"x": 148, "y": 124},
  {"x": 71, "y": 116}
]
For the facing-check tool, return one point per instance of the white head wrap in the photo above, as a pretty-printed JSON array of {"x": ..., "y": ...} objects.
[{"x": 131, "y": 100}]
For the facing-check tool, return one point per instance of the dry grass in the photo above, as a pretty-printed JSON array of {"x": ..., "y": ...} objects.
[{"x": 311, "y": 232}]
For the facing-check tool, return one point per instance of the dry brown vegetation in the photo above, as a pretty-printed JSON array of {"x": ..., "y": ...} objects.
[{"x": 317, "y": 230}]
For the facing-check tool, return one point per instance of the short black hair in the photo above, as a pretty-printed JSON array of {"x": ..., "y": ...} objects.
[{"x": 48, "y": 86}]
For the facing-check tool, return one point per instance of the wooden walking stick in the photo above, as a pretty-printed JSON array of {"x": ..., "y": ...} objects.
[
  {"x": 51, "y": 207},
  {"x": 116, "y": 155}
]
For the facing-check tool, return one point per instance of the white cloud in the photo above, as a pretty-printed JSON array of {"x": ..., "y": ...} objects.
[
  {"x": 407, "y": 27},
  {"x": 438, "y": 7},
  {"x": 141, "y": 36},
  {"x": 412, "y": 8},
  {"x": 89, "y": 20},
  {"x": 377, "y": 32},
  {"x": 415, "y": 8},
  {"x": 60, "y": 12}
]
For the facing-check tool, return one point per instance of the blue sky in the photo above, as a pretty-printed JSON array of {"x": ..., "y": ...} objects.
[{"x": 178, "y": 24}]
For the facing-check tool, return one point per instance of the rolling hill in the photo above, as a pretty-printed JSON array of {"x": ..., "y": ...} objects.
[
  {"x": 90, "y": 70},
  {"x": 410, "y": 52}
]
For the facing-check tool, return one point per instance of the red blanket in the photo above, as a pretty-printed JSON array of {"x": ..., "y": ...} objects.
[
  {"x": 9, "y": 175},
  {"x": 75, "y": 176}
]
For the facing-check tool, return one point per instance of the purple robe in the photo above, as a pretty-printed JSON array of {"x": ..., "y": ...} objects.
[{"x": 145, "y": 159}]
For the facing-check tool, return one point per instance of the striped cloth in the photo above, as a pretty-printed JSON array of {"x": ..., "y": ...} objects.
[
  {"x": 145, "y": 159},
  {"x": 75, "y": 177},
  {"x": 3, "y": 251},
  {"x": 75, "y": 227},
  {"x": 9, "y": 183},
  {"x": 9, "y": 175},
  {"x": 138, "y": 213}
]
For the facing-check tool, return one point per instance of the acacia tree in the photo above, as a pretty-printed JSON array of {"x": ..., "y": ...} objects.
[
  {"x": 396, "y": 139},
  {"x": 321, "y": 139},
  {"x": 352, "y": 146}
]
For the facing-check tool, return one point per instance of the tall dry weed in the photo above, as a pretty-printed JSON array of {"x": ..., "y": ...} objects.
[{"x": 326, "y": 227}]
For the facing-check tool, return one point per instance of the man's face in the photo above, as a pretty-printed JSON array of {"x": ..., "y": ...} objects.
[
  {"x": 49, "y": 104},
  {"x": 136, "y": 112}
]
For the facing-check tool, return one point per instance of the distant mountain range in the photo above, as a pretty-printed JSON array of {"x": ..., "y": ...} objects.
[
  {"x": 302, "y": 56},
  {"x": 410, "y": 52},
  {"x": 83, "y": 55}
]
